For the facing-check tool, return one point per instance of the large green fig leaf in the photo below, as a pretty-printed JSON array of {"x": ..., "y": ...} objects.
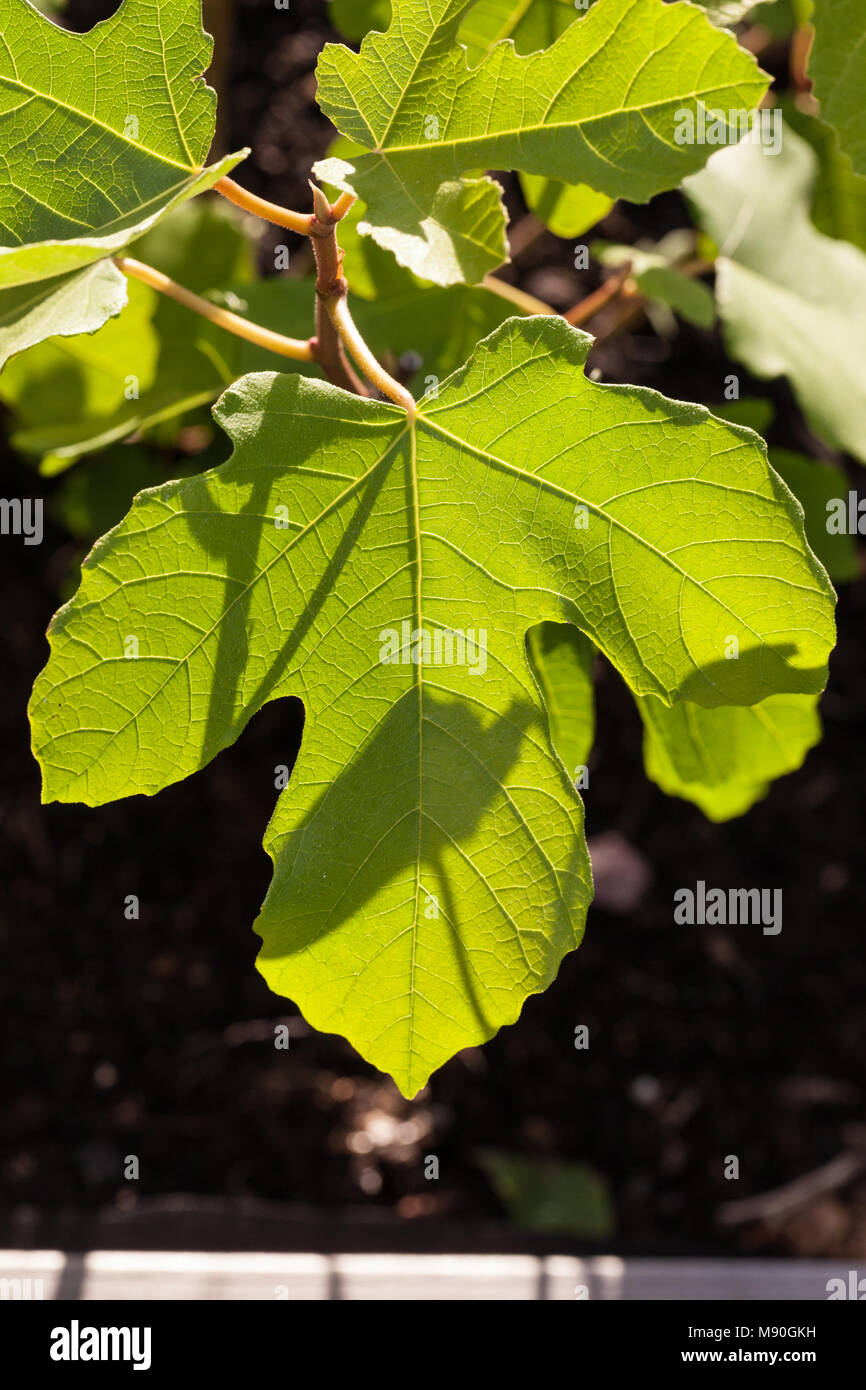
[
  {"x": 792, "y": 301},
  {"x": 100, "y": 133},
  {"x": 598, "y": 107},
  {"x": 430, "y": 869}
]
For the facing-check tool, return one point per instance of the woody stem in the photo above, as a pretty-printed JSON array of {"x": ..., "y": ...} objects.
[
  {"x": 335, "y": 327},
  {"x": 327, "y": 347}
]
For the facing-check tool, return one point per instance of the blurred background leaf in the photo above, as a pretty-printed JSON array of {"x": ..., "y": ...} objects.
[{"x": 552, "y": 1196}]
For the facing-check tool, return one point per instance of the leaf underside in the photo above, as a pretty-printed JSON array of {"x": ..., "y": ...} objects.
[
  {"x": 127, "y": 118},
  {"x": 724, "y": 760},
  {"x": 598, "y": 107},
  {"x": 79, "y": 302},
  {"x": 430, "y": 869}
]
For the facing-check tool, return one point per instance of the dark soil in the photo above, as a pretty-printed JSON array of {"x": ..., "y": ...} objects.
[{"x": 154, "y": 1037}]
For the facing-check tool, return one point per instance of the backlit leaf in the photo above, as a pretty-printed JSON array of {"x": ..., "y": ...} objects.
[
  {"x": 430, "y": 869},
  {"x": 598, "y": 107},
  {"x": 568, "y": 209},
  {"x": 562, "y": 660},
  {"x": 78, "y": 302},
  {"x": 126, "y": 118},
  {"x": 724, "y": 760}
]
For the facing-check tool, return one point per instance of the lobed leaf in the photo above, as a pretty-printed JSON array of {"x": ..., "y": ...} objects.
[
  {"x": 430, "y": 869},
  {"x": 568, "y": 210},
  {"x": 597, "y": 107},
  {"x": 723, "y": 760}
]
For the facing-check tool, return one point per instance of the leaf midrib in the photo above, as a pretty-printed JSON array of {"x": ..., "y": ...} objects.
[
  {"x": 419, "y": 667},
  {"x": 95, "y": 121},
  {"x": 550, "y": 126}
]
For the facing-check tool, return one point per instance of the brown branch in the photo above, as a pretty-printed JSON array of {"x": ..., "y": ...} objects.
[
  {"x": 632, "y": 304},
  {"x": 335, "y": 328},
  {"x": 330, "y": 283}
]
